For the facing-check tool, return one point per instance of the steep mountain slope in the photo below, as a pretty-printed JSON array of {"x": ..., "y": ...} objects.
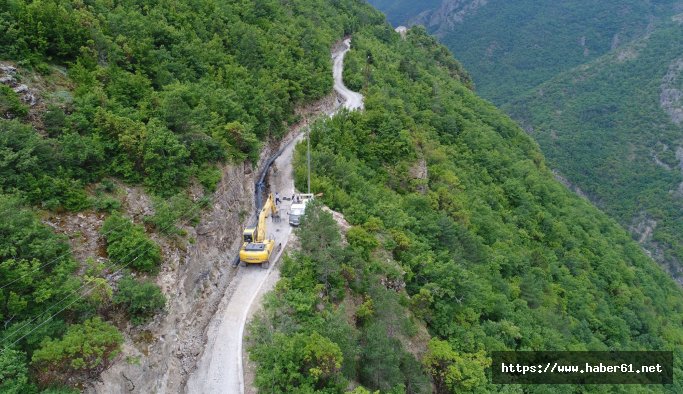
[
  {"x": 614, "y": 128},
  {"x": 220, "y": 367},
  {"x": 512, "y": 46},
  {"x": 458, "y": 223},
  {"x": 611, "y": 125},
  {"x": 124, "y": 125},
  {"x": 398, "y": 12},
  {"x": 454, "y": 209}
]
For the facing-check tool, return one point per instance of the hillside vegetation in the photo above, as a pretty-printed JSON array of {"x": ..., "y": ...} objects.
[
  {"x": 458, "y": 225},
  {"x": 604, "y": 126},
  {"x": 494, "y": 253},
  {"x": 513, "y": 46},
  {"x": 595, "y": 83},
  {"x": 338, "y": 315},
  {"x": 153, "y": 94},
  {"x": 398, "y": 12}
]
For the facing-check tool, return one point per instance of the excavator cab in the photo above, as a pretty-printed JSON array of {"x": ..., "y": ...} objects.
[{"x": 248, "y": 235}]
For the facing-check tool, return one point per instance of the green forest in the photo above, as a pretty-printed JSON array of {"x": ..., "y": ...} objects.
[
  {"x": 461, "y": 243},
  {"x": 585, "y": 78},
  {"x": 148, "y": 93},
  {"x": 513, "y": 46},
  {"x": 603, "y": 127},
  {"x": 399, "y": 12},
  {"x": 493, "y": 253},
  {"x": 326, "y": 324}
]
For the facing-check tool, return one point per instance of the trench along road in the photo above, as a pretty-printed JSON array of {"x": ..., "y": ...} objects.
[{"x": 220, "y": 367}]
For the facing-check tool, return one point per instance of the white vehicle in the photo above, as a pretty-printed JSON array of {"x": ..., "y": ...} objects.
[{"x": 298, "y": 208}]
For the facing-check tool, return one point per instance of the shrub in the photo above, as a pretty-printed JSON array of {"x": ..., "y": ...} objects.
[
  {"x": 365, "y": 311},
  {"x": 106, "y": 204},
  {"x": 106, "y": 186},
  {"x": 164, "y": 161},
  {"x": 54, "y": 120},
  {"x": 141, "y": 299},
  {"x": 127, "y": 244},
  {"x": 83, "y": 157},
  {"x": 10, "y": 105},
  {"x": 167, "y": 213},
  {"x": 85, "y": 348},
  {"x": 361, "y": 238},
  {"x": 452, "y": 371},
  {"x": 306, "y": 362},
  {"x": 209, "y": 177},
  {"x": 14, "y": 373}
]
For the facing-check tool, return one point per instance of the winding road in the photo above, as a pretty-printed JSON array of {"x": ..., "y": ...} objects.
[
  {"x": 220, "y": 367},
  {"x": 352, "y": 100}
]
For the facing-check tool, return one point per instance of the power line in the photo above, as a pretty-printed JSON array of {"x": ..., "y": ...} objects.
[
  {"x": 81, "y": 296},
  {"x": 66, "y": 254},
  {"x": 77, "y": 292}
]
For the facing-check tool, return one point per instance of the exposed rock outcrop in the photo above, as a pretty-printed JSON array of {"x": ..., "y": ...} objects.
[
  {"x": 195, "y": 276},
  {"x": 450, "y": 13},
  {"x": 8, "y": 76},
  {"x": 419, "y": 172},
  {"x": 560, "y": 178},
  {"x": 671, "y": 96},
  {"x": 642, "y": 229}
]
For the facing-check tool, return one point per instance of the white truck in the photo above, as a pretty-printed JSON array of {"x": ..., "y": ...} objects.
[{"x": 298, "y": 208}]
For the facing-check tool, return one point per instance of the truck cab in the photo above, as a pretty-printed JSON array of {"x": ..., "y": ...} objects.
[{"x": 298, "y": 208}]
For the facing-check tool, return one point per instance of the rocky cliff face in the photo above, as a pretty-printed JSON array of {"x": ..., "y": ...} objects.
[
  {"x": 671, "y": 96},
  {"x": 195, "y": 276},
  {"x": 449, "y": 13}
]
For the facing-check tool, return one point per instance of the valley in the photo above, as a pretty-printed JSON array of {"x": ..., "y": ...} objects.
[
  {"x": 136, "y": 139},
  {"x": 590, "y": 82}
]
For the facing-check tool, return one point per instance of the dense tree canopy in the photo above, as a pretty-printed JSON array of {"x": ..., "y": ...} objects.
[
  {"x": 163, "y": 89},
  {"x": 330, "y": 320},
  {"x": 603, "y": 126},
  {"x": 458, "y": 224},
  {"x": 496, "y": 254},
  {"x": 513, "y": 46},
  {"x": 151, "y": 93},
  {"x": 589, "y": 81}
]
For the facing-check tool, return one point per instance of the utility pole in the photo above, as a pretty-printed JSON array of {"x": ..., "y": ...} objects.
[{"x": 308, "y": 156}]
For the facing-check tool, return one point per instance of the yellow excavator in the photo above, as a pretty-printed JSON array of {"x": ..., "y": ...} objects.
[{"x": 256, "y": 249}]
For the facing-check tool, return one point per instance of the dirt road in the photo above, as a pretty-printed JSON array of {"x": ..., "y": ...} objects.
[
  {"x": 352, "y": 100},
  {"x": 220, "y": 368}
]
